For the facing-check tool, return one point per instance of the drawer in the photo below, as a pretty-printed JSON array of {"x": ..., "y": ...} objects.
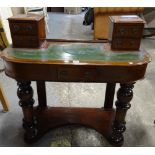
[
  {"x": 135, "y": 31},
  {"x": 25, "y": 28},
  {"x": 25, "y": 41},
  {"x": 125, "y": 31},
  {"x": 133, "y": 44},
  {"x": 120, "y": 31},
  {"x": 77, "y": 74},
  {"x": 125, "y": 44}
]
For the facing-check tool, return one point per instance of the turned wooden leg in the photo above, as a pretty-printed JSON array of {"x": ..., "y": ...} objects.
[
  {"x": 124, "y": 96},
  {"x": 26, "y": 101}
]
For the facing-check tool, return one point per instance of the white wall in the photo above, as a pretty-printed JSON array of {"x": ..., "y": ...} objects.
[{"x": 17, "y": 10}]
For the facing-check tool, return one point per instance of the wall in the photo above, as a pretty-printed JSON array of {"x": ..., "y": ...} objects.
[
  {"x": 5, "y": 13},
  {"x": 17, "y": 10}
]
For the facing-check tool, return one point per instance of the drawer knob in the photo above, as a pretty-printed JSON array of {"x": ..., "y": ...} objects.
[
  {"x": 119, "y": 42},
  {"x": 29, "y": 28},
  {"x": 135, "y": 30},
  {"x": 63, "y": 73},
  {"x": 132, "y": 42},
  {"x": 88, "y": 74},
  {"x": 122, "y": 31},
  {"x": 16, "y": 27}
]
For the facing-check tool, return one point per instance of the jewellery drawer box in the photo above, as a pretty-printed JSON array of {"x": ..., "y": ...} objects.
[
  {"x": 27, "y": 30},
  {"x": 126, "y": 32}
]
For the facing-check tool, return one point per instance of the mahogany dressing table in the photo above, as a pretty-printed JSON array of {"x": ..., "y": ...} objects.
[{"x": 67, "y": 61}]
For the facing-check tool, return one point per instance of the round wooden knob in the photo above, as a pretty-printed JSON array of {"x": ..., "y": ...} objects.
[
  {"x": 122, "y": 31},
  {"x": 29, "y": 28},
  {"x": 16, "y": 27}
]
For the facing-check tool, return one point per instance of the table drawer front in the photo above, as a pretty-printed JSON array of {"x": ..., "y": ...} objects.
[
  {"x": 119, "y": 44},
  {"x": 29, "y": 28},
  {"x": 133, "y": 31},
  {"x": 77, "y": 74},
  {"x": 25, "y": 41}
]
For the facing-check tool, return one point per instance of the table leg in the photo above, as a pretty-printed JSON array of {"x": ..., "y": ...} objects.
[
  {"x": 109, "y": 95},
  {"x": 26, "y": 101},
  {"x": 124, "y": 96},
  {"x": 41, "y": 90}
]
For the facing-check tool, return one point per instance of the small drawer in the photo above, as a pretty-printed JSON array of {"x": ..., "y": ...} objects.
[
  {"x": 125, "y": 44},
  {"x": 23, "y": 28},
  {"x": 128, "y": 31},
  {"x": 77, "y": 74},
  {"x": 133, "y": 44},
  {"x": 118, "y": 44},
  {"x": 25, "y": 41},
  {"x": 135, "y": 31},
  {"x": 120, "y": 31},
  {"x": 68, "y": 74}
]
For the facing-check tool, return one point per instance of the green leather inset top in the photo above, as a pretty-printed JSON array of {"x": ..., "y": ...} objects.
[{"x": 76, "y": 51}]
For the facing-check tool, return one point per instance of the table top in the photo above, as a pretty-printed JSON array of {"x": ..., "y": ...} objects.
[
  {"x": 64, "y": 61},
  {"x": 76, "y": 53}
]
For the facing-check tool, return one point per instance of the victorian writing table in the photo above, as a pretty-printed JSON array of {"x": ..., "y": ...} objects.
[{"x": 75, "y": 62}]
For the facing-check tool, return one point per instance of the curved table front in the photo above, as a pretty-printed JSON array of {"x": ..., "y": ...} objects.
[{"x": 75, "y": 62}]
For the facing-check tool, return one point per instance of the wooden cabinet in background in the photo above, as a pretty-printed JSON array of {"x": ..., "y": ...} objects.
[
  {"x": 27, "y": 30},
  {"x": 55, "y": 9}
]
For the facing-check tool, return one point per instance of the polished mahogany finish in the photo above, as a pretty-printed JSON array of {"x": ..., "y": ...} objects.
[
  {"x": 27, "y": 30},
  {"x": 60, "y": 61},
  {"x": 124, "y": 96},
  {"x": 26, "y": 101}
]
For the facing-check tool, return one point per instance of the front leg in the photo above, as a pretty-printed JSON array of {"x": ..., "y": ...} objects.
[
  {"x": 26, "y": 101},
  {"x": 124, "y": 96}
]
